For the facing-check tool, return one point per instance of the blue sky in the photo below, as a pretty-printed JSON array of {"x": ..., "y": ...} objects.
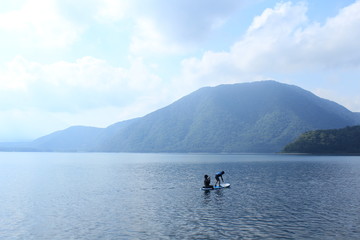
[{"x": 97, "y": 62}]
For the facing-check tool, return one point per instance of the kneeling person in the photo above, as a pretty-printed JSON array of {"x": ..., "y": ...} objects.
[{"x": 207, "y": 182}]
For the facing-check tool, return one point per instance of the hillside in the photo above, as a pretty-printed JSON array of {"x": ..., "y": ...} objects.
[
  {"x": 78, "y": 138},
  {"x": 334, "y": 141},
  {"x": 248, "y": 117}
]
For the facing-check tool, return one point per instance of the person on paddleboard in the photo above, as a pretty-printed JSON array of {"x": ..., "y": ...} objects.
[
  {"x": 207, "y": 182},
  {"x": 218, "y": 176}
]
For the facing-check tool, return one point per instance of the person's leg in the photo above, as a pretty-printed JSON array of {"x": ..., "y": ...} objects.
[{"x": 217, "y": 181}]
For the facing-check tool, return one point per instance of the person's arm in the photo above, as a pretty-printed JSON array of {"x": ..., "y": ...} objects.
[{"x": 222, "y": 179}]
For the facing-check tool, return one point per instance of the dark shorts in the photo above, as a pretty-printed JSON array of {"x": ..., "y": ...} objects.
[{"x": 217, "y": 178}]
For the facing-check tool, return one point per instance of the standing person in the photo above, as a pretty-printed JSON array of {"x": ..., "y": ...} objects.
[
  {"x": 218, "y": 176},
  {"x": 207, "y": 182}
]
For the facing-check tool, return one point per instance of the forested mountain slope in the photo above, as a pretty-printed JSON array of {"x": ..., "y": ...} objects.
[{"x": 252, "y": 117}]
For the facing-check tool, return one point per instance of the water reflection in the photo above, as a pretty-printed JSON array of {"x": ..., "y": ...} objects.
[{"x": 207, "y": 196}]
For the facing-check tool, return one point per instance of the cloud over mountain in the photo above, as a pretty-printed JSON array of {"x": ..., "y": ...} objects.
[
  {"x": 282, "y": 40},
  {"x": 175, "y": 26}
]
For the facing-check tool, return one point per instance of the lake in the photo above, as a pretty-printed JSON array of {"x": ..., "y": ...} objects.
[{"x": 158, "y": 196}]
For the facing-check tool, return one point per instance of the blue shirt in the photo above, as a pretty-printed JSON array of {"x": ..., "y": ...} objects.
[{"x": 219, "y": 174}]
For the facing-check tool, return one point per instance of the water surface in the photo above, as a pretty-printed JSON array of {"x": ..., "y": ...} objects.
[{"x": 158, "y": 196}]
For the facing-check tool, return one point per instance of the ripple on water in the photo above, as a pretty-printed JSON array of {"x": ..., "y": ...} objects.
[{"x": 270, "y": 198}]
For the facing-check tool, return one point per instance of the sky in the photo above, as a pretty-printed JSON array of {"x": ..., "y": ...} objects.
[{"x": 97, "y": 62}]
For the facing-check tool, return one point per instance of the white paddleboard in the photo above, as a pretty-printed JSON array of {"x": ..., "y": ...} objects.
[
  {"x": 222, "y": 185},
  {"x": 225, "y": 185}
]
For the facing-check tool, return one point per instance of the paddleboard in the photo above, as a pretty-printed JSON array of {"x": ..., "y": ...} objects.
[{"x": 222, "y": 185}]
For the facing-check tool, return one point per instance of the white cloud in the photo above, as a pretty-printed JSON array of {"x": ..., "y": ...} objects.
[
  {"x": 148, "y": 38},
  {"x": 112, "y": 10},
  {"x": 57, "y": 23},
  {"x": 334, "y": 44},
  {"x": 177, "y": 26},
  {"x": 70, "y": 86},
  {"x": 104, "y": 11},
  {"x": 39, "y": 23},
  {"x": 282, "y": 41},
  {"x": 159, "y": 26},
  {"x": 287, "y": 42}
]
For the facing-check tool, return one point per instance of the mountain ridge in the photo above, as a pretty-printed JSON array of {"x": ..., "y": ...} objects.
[{"x": 254, "y": 117}]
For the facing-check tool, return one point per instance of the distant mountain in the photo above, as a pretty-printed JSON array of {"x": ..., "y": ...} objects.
[
  {"x": 248, "y": 117},
  {"x": 334, "y": 141},
  {"x": 78, "y": 138}
]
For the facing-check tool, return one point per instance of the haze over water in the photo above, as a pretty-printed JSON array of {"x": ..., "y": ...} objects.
[{"x": 158, "y": 196}]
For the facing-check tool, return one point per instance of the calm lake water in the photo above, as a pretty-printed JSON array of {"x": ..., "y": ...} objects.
[{"x": 158, "y": 196}]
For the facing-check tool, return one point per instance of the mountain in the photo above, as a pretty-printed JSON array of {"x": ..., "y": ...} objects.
[
  {"x": 78, "y": 138},
  {"x": 333, "y": 141},
  {"x": 248, "y": 117}
]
